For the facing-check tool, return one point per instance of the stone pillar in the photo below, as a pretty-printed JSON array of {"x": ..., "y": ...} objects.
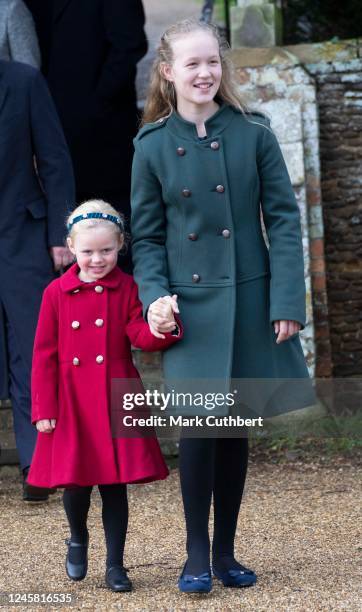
[{"x": 255, "y": 23}]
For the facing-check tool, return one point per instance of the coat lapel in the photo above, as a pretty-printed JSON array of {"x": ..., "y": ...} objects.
[
  {"x": 59, "y": 8},
  {"x": 3, "y": 89}
]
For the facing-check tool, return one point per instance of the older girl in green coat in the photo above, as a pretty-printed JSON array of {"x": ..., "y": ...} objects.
[{"x": 203, "y": 167}]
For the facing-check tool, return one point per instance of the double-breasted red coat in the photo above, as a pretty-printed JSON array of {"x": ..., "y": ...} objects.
[{"x": 83, "y": 341}]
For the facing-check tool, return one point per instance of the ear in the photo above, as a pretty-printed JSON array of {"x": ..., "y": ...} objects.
[
  {"x": 166, "y": 71},
  {"x": 70, "y": 245}
]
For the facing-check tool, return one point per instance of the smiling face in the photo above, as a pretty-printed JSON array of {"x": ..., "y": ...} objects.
[
  {"x": 96, "y": 250},
  {"x": 196, "y": 69}
]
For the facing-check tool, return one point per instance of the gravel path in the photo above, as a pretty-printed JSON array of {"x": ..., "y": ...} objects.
[{"x": 298, "y": 530}]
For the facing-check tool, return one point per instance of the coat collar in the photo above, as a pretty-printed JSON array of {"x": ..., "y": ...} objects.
[
  {"x": 70, "y": 280},
  {"x": 216, "y": 124}
]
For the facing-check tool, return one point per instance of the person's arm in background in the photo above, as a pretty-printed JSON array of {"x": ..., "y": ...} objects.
[
  {"x": 124, "y": 29},
  {"x": 54, "y": 167},
  {"x": 22, "y": 38}
]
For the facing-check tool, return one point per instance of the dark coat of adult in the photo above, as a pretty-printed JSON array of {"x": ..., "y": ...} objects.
[
  {"x": 33, "y": 203},
  {"x": 197, "y": 233},
  {"x": 90, "y": 49}
]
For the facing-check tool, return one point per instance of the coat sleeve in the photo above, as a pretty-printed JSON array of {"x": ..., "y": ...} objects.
[
  {"x": 127, "y": 44},
  {"x": 138, "y": 331},
  {"x": 282, "y": 222},
  {"x": 44, "y": 375},
  {"x": 148, "y": 232},
  {"x": 22, "y": 38},
  {"x": 53, "y": 161}
]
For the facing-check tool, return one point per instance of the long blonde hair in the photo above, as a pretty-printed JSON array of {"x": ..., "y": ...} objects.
[{"x": 161, "y": 98}]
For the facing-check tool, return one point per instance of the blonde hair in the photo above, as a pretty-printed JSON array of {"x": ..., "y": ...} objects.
[
  {"x": 161, "y": 98},
  {"x": 95, "y": 206}
]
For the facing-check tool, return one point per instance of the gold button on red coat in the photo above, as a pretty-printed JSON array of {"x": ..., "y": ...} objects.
[
  {"x": 76, "y": 361},
  {"x": 220, "y": 188},
  {"x": 181, "y": 151},
  {"x": 99, "y": 322},
  {"x": 195, "y": 278},
  {"x": 99, "y": 359},
  {"x": 226, "y": 233},
  {"x": 215, "y": 145},
  {"x": 186, "y": 193},
  {"x": 75, "y": 324},
  {"x": 98, "y": 289}
]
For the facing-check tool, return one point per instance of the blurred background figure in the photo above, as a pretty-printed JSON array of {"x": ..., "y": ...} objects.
[
  {"x": 18, "y": 39},
  {"x": 90, "y": 49},
  {"x": 35, "y": 199}
]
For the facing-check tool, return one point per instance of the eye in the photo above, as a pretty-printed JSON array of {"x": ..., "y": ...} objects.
[
  {"x": 109, "y": 250},
  {"x": 214, "y": 62},
  {"x": 191, "y": 64},
  {"x": 86, "y": 252}
]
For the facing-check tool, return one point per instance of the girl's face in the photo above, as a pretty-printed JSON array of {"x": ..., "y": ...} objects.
[
  {"x": 96, "y": 250},
  {"x": 196, "y": 69}
]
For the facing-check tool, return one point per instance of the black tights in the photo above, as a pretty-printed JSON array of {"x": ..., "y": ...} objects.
[
  {"x": 212, "y": 467},
  {"x": 114, "y": 516}
]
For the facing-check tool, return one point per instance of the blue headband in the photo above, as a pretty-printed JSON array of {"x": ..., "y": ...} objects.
[{"x": 95, "y": 215}]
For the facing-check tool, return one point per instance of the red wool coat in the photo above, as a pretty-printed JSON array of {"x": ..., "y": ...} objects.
[{"x": 83, "y": 340}]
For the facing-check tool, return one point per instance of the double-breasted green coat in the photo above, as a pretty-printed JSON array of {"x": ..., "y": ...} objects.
[{"x": 197, "y": 232}]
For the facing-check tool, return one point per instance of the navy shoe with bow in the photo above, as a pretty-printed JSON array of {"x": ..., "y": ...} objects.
[
  {"x": 241, "y": 577},
  {"x": 188, "y": 583}
]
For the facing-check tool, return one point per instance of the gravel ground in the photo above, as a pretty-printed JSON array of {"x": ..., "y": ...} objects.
[{"x": 297, "y": 529}]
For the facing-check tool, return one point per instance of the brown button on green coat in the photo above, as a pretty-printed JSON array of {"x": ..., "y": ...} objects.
[{"x": 197, "y": 233}]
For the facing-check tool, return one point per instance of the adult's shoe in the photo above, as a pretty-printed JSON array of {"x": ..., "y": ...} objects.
[
  {"x": 237, "y": 578},
  {"x": 31, "y": 493},
  {"x": 189, "y": 583}
]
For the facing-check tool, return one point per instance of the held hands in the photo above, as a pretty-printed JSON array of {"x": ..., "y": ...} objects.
[
  {"x": 285, "y": 329},
  {"x": 46, "y": 425},
  {"x": 160, "y": 315},
  {"x": 61, "y": 257}
]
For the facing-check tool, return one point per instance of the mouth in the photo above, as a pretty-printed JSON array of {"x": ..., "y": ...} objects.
[{"x": 203, "y": 86}]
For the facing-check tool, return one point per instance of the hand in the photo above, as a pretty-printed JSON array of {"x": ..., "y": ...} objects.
[
  {"x": 61, "y": 257},
  {"x": 286, "y": 329},
  {"x": 46, "y": 425},
  {"x": 160, "y": 315}
]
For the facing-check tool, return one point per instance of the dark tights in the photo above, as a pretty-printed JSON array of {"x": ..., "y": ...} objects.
[
  {"x": 212, "y": 467},
  {"x": 114, "y": 516}
]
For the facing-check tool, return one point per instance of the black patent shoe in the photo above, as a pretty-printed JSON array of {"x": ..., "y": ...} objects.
[
  {"x": 31, "y": 493},
  {"x": 117, "y": 579},
  {"x": 77, "y": 571}
]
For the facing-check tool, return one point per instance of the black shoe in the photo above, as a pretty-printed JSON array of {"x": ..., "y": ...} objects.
[
  {"x": 77, "y": 571},
  {"x": 117, "y": 579},
  {"x": 31, "y": 493}
]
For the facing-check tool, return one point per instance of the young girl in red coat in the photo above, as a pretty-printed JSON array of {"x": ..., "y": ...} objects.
[{"x": 88, "y": 320}]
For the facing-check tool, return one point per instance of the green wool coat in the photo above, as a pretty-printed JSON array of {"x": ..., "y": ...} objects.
[{"x": 197, "y": 233}]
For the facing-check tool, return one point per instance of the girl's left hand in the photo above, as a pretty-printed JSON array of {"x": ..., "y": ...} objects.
[{"x": 286, "y": 329}]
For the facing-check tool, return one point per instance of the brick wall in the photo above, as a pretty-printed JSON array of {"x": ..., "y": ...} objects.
[{"x": 339, "y": 94}]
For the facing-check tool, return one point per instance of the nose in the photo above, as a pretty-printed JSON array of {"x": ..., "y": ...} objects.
[
  {"x": 204, "y": 71},
  {"x": 96, "y": 257}
]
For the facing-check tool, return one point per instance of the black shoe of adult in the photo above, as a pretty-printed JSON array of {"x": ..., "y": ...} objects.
[
  {"x": 77, "y": 571},
  {"x": 117, "y": 579},
  {"x": 31, "y": 493}
]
